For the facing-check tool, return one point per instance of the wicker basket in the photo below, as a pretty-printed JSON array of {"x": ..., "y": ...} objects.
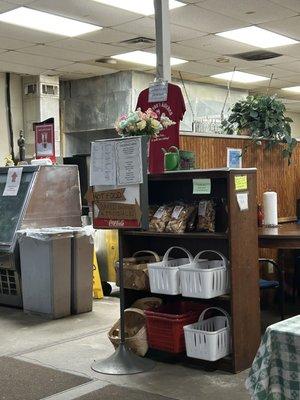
[
  {"x": 135, "y": 332},
  {"x": 136, "y": 270},
  {"x": 147, "y": 303}
]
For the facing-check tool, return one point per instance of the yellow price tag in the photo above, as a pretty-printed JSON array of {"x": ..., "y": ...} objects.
[{"x": 241, "y": 182}]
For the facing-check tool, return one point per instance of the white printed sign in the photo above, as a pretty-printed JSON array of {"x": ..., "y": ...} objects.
[{"x": 13, "y": 181}]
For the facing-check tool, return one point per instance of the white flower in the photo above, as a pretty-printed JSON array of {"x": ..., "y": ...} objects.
[{"x": 141, "y": 125}]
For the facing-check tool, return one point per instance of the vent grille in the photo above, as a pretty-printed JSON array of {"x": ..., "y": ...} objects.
[
  {"x": 256, "y": 55},
  {"x": 139, "y": 40},
  {"x": 8, "y": 282}
]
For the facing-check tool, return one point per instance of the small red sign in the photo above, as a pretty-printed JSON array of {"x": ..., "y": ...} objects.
[
  {"x": 45, "y": 141},
  {"x": 103, "y": 223}
]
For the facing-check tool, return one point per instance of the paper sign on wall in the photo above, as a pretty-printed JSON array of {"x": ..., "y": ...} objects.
[
  {"x": 13, "y": 181},
  {"x": 201, "y": 186},
  {"x": 103, "y": 165},
  {"x": 129, "y": 162},
  {"x": 242, "y": 199},
  {"x": 241, "y": 182}
]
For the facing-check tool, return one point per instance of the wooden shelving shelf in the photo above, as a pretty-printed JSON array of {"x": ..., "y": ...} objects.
[
  {"x": 236, "y": 238},
  {"x": 186, "y": 235}
]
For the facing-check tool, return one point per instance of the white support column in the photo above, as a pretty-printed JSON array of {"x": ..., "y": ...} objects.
[{"x": 163, "y": 39}]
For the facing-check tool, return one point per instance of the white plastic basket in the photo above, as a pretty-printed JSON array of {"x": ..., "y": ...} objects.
[
  {"x": 205, "y": 279},
  {"x": 208, "y": 339},
  {"x": 164, "y": 275}
]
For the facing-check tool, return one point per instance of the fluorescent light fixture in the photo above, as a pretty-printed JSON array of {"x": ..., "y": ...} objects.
[
  {"x": 294, "y": 89},
  {"x": 144, "y": 58},
  {"x": 144, "y": 7},
  {"x": 45, "y": 22},
  {"x": 240, "y": 77},
  {"x": 257, "y": 37}
]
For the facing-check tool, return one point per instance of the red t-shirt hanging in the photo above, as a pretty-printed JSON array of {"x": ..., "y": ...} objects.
[{"x": 174, "y": 108}]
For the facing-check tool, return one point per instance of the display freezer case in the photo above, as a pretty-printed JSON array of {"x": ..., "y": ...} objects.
[{"x": 48, "y": 196}]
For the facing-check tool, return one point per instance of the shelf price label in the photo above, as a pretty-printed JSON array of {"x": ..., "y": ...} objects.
[{"x": 201, "y": 186}]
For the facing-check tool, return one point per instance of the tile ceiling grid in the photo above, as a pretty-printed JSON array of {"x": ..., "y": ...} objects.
[{"x": 192, "y": 35}]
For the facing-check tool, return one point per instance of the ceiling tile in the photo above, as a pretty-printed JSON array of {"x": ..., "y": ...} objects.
[
  {"x": 86, "y": 68},
  {"x": 294, "y": 66},
  {"x": 286, "y": 26},
  {"x": 232, "y": 62},
  {"x": 98, "y": 49},
  {"x": 146, "y": 27},
  {"x": 5, "y": 6},
  {"x": 20, "y": 2},
  {"x": 200, "y": 68},
  {"x": 292, "y": 78},
  {"x": 252, "y": 12},
  {"x": 56, "y": 52},
  {"x": 107, "y": 35},
  {"x": 291, "y": 4},
  {"x": 32, "y": 60},
  {"x": 203, "y": 20},
  {"x": 19, "y": 69},
  {"x": 30, "y": 35},
  {"x": 13, "y": 44},
  {"x": 292, "y": 51},
  {"x": 86, "y": 10},
  {"x": 282, "y": 61},
  {"x": 218, "y": 45},
  {"x": 278, "y": 73},
  {"x": 189, "y": 53}
]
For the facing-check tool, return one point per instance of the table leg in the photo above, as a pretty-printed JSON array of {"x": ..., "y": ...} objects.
[{"x": 282, "y": 283}]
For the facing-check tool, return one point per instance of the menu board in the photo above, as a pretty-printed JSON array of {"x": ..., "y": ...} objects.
[{"x": 119, "y": 179}]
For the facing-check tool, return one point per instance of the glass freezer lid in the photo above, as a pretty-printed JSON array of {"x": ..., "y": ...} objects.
[{"x": 11, "y": 207}]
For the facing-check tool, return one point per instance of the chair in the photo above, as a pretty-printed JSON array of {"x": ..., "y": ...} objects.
[{"x": 270, "y": 284}]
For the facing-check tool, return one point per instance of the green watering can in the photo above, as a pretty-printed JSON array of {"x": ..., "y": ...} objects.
[{"x": 171, "y": 158}]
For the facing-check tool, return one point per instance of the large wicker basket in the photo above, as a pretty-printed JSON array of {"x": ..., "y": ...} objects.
[
  {"x": 135, "y": 332},
  {"x": 136, "y": 270}
]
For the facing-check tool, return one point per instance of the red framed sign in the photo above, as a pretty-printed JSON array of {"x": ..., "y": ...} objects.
[{"x": 45, "y": 141}]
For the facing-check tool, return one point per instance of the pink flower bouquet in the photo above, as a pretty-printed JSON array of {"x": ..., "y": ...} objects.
[{"x": 138, "y": 123}]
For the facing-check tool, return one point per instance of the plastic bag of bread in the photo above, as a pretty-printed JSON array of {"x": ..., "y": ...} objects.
[
  {"x": 179, "y": 218},
  {"x": 206, "y": 216},
  {"x": 160, "y": 219}
]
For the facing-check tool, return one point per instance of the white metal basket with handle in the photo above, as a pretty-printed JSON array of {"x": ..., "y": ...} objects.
[
  {"x": 209, "y": 339},
  {"x": 205, "y": 279},
  {"x": 164, "y": 275}
]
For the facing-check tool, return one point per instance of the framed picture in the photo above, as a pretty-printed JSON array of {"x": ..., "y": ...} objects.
[
  {"x": 234, "y": 158},
  {"x": 44, "y": 140}
]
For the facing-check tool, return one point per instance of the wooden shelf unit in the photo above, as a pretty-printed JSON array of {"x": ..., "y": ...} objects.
[{"x": 236, "y": 237}]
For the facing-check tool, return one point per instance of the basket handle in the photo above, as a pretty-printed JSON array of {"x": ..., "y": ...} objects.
[
  {"x": 201, "y": 318},
  {"x": 166, "y": 256},
  {"x": 136, "y": 310},
  {"x": 155, "y": 255},
  {"x": 223, "y": 258}
]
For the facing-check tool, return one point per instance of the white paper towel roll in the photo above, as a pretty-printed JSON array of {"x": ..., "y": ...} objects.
[{"x": 270, "y": 208}]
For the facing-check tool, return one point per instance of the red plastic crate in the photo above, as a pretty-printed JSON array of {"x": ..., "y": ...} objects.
[{"x": 165, "y": 325}]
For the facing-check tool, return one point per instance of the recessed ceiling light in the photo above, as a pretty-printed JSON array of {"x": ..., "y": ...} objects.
[
  {"x": 45, "y": 22},
  {"x": 257, "y": 37},
  {"x": 240, "y": 77},
  {"x": 294, "y": 89},
  {"x": 144, "y": 7},
  {"x": 144, "y": 58}
]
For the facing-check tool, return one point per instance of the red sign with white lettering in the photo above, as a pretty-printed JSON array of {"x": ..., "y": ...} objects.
[
  {"x": 45, "y": 141},
  {"x": 102, "y": 223}
]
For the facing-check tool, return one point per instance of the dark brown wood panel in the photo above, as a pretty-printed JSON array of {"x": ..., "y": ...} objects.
[
  {"x": 273, "y": 171},
  {"x": 245, "y": 294}
]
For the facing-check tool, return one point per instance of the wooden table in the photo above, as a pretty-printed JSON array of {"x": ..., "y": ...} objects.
[{"x": 286, "y": 236}]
